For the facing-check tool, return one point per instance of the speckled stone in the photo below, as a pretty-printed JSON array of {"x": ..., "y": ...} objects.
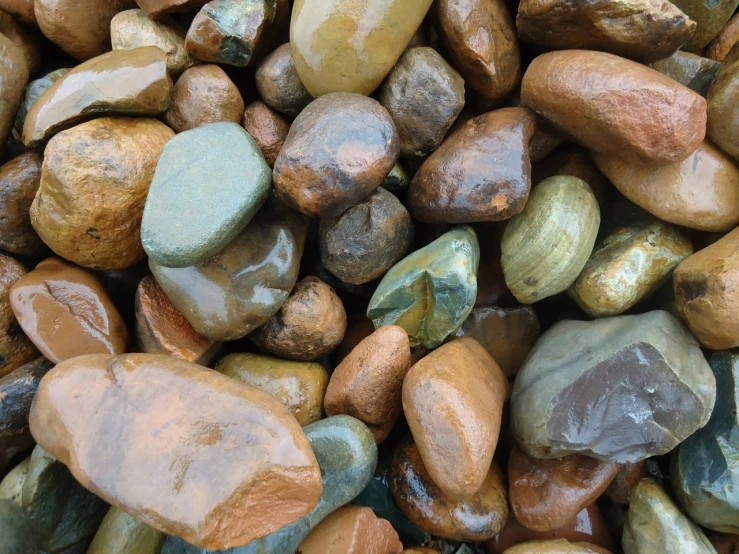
[
  {"x": 693, "y": 71},
  {"x": 710, "y": 16},
  {"x": 33, "y": 91},
  {"x": 723, "y": 112},
  {"x": 18, "y": 532},
  {"x": 279, "y": 84},
  {"x": 19, "y": 181},
  {"x": 119, "y": 533}
]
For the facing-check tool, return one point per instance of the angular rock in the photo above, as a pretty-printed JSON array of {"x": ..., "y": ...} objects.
[
  {"x": 695, "y": 72},
  {"x": 556, "y": 546},
  {"x": 279, "y": 84},
  {"x": 626, "y": 479},
  {"x": 446, "y": 272},
  {"x": 22, "y": 9},
  {"x": 723, "y": 113},
  {"x": 727, "y": 37},
  {"x": 268, "y": 128},
  {"x": 19, "y": 534},
  {"x": 19, "y": 181},
  {"x": 159, "y": 8},
  {"x": 15, "y": 348},
  {"x": 612, "y": 388},
  {"x": 33, "y": 92},
  {"x": 710, "y": 17},
  {"x": 615, "y": 106},
  {"x": 13, "y": 79},
  {"x": 482, "y": 172},
  {"x": 119, "y": 533}
]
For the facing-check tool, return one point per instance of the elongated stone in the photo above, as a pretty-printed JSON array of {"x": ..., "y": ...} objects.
[
  {"x": 724, "y": 41},
  {"x": 33, "y": 92},
  {"x": 695, "y": 72},
  {"x": 723, "y": 113},
  {"x": 119, "y": 533},
  {"x": 19, "y": 180}
]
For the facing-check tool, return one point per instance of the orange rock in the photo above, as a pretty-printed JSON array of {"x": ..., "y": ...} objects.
[
  {"x": 15, "y": 348},
  {"x": 267, "y": 127},
  {"x": 724, "y": 41}
]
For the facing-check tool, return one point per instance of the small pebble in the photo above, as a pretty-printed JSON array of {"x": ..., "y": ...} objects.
[{"x": 279, "y": 84}]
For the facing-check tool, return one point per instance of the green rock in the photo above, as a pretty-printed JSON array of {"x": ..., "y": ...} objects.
[
  {"x": 33, "y": 91},
  {"x": 430, "y": 292},
  {"x": 17, "y": 534},
  {"x": 397, "y": 180},
  {"x": 705, "y": 468},
  {"x": 710, "y": 15},
  {"x": 695, "y": 72},
  {"x": 119, "y": 533},
  {"x": 11, "y": 487},
  {"x": 209, "y": 183}
]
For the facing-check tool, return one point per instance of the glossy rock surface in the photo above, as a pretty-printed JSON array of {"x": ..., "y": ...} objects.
[
  {"x": 723, "y": 113},
  {"x": 268, "y": 128},
  {"x": 33, "y": 92},
  {"x": 19, "y": 181},
  {"x": 695, "y": 72},
  {"x": 279, "y": 84},
  {"x": 119, "y": 533},
  {"x": 13, "y": 79},
  {"x": 15, "y": 348},
  {"x": 626, "y": 479}
]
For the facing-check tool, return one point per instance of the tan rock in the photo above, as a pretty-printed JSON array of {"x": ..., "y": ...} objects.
[
  {"x": 11, "y": 487},
  {"x": 19, "y": 181},
  {"x": 556, "y": 546},
  {"x": 15, "y": 348},
  {"x": 723, "y": 112},
  {"x": 120, "y": 533},
  {"x": 25, "y": 40},
  {"x": 267, "y": 127},
  {"x": 13, "y": 79},
  {"x": 728, "y": 37},
  {"x": 22, "y": 9},
  {"x": 159, "y": 8}
]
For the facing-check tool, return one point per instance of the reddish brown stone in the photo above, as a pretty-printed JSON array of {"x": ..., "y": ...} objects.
[
  {"x": 266, "y": 127},
  {"x": 626, "y": 479},
  {"x": 19, "y": 181},
  {"x": 724, "y": 543},
  {"x": 15, "y": 348},
  {"x": 724, "y": 41},
  {"x": 23, "y": 39},
  {"x": 22, "y": 9}
]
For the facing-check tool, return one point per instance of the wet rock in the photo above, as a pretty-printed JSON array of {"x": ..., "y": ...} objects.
[
  {"x": 351, "y": 45},
  {"x": 22, "y": 9},
  {"x": 56, "y": 296},
  {"x": 268, "y": 128},
  {"x": 300, "y": 386},
  {"x": 448, "y": 264},
  {"x": 626, "y": 479},
  {"x": 572, "y": 160},
  {"x": 124, "y": 82},
  {"x": 320, "y": 171},
  {"x": 279, "y": 84},
  {"x": 615, "y": 106},
  {"x": 202, "y": 95},
  {"x": 695, "y": 72},
  {"x": 727, "y": 37},
  {"x": 481, "y": 173},
  {"x": 94, "y": 183},
  {"x": 15, "y": 348},
  {"x": 19, "y": 534},
  {"x": 244, "y": 285},
  {"x": 119, "y": 533},
  {"x": 424, "y": 96},
  {"x": 25, "y": 40},
  {"x": 159, "y": 8},
  {"x": 711, "y": 18},
  {"x": 33, "y": 92},
  {"x": 545, "y": 247},
  {"x": 556, "y": 546},
  {"x": 723, "y": 113},
  {"x": 159, "y": 415},
  {"x": 627, "y": 266},
  {"x": 612, "y": 389},
  {"x": 19, "y": 181},
  {"x": 13, "y": 79},
  {"x": 366, "y": 240}
]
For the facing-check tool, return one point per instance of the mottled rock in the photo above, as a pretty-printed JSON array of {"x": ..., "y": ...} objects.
[
  {"x": 723, "y": 113},
  {"x": 11, "y": 487},
  {"x": 446, "y": 272},
  {"x": 159, "y": 8},
  {"x": 23, "y": 38},
  {"x": 119, "y": 533},
  {"x": 481, "y": 173},
  {"x": 727, "y": 37},
  {"x": 338, "y": 150},
  {"x": 19, "y": 534},
  {"x": 19, "y": 181},
  {"x": 13, "y": 79},
  {"x": 710, "y": 17},
  {"x": 556, "y": 546},
  {"x": 695, "y": 72},
  {"x": 15, "y": 348},
  {"x": 268, "y": 128},
  {"x": 615, "y": 106},
  {"x": 22, "y": 9},
  {"x": 612, "y": 388},
  {"x": 279, "y": 84},
  {"x": 626, "y": 479}
]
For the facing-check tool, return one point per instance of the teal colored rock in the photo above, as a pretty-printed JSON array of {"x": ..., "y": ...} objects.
[
  {"x": 705, "y": 468},
  {"x": 17, "y": 534},
  {"x": 430, "y": 292},
  {"x": 33, "y": 91},
  {"x": 208, "y": 184},
  {"x": 347, "y": 455}
]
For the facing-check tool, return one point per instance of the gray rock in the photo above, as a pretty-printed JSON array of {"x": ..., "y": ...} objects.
[
  {"x": 17, "y": 534},
  {"x": 695, "y": 72}
]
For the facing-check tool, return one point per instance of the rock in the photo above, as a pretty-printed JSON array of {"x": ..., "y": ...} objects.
[
  {"x": 508, "y": 334},
  {"x": 60, "y": 509},
  {"x": 482, "y": 172},
  {"x": 15, "y": 348},
  {"x": 727, "y": 37},
  {"x": 397, "y": 180},
  {"x": 25, "y": 40},
  {"x": 419, "y": 550},
  {"x": 655, "y": 524},
  {"x": 424, "y": 96},
  {"x": 246, "y": 283},
  {"x": 56, "y": 296},
  {"x": 367, "y": 383},
  {"x": 612, "y": 389},
  {"x": 723, "y": 113},
  {"x": 615, "y": 106},
  {"x": 545, "y": 494},
  {"x": 33, "y": 92},
  {"x": 170, "y": 418},
  {"x": 17, "y": 390},
  {"x": 133, "y": 29},
  {"x": 319, "y": 171},
  {"x": 626, "y": 479},
  {"x": 711, "y": 18},
  {"x": 19, "y": 534},
  {"x": 13, "y": 79},
  {"x": 490, "y": 66},
  {"x": 556, "y": 546},
  {"x": 476, "y": 518},
  {"x": 279, "y": 84},
  {"x": 11, "y": 486},
  {"x": 724, "y": 543},
  {"x": 300, "y": 386},
  {"x": 19, "y": 181},
  {"x": 162, "y": 329},
  {"x": 351, "y": 45},
  {"x": 159, "y": 8},
  {"x": 267, "y": 128},
  {"x": 705, "y": 468},
  {"x": 627, "y": 266},
  {"x": 447, "y": 265},
  {"x": 22, "y": 9},
  {"x": 119, "y": 533},
  {"x": 546, "y": 246},
  {"x": 94, "y": 183},
  {"x": 641, "y": 30},
  {"x": 573, "y": 160},
  {"x": 700, "y": 192},
  {"x": 365, "y": 241},
  {"x": 695, "y": 72},
  {"x": 203, "y": 95}
]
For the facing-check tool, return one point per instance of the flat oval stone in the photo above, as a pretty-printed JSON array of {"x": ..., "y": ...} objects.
[
  {"x": 13, "y": 79},
  {"x": 114, "y": 418},
  {"x": 94, "y": 183},
  {"x": 351, "y": 45},
  {"x": 620, "y": 389},
  {"x": 300, "y": 386},
  {"x": 123, "y": 82},
  {"x": 695, "y": 72},
  {"x": 723, "y": 113},
  {"x": 246, "y": 283},
  {"x": 546, "y": 246},
  {"x": 19, "y": 534},
  {"x": 700, "y": 192},
  {"x": 268, "y": 128},
  {"x": 626, "y": 479},
  {"x": 58, "y": 295},
  {"x": 320, "y": 170},
  {"x": 159, "y": 8},
  {"x": 119, "y": 533},
  {"x": 556, "y": 546},
  {"x": 615, "y": 106},
  {"x": 19, "y": 181},
  {"x": 22, "y": 9},
  {"x": 711, "y": 18},
  {"x": 15, "y": 347},
  {"x": 627, "y": 266},
  {"x": 279, "y": 84},
  {"x": 482, "y": 172},
  {"x": 448, "y": 264},
  {"x": 725, "y": 39}
]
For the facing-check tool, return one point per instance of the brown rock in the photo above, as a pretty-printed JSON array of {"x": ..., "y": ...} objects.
[
  {"x": 556, "y": 546},
  {"x": 358, "y": 327},
  {"x": 158, "y": 8},
  {"x": 419, "y": 550},
  {"x": 310, "y": 324},
  {"x": 339, "y": 149},
  {"x": 22, "y": 9},
  {"x": 453, "y": 401},
  {"x": 615, "y": 106},
  {"x": 491, "y": 287},
  {"x": 723, "y": 112},
  {"x": 572, "y": 160},
  {"x": 94, "y": 183},
  {"x": 79, "y": 27},
  {"x": 367, "y": 384},
  {"x": 13, "y": 79},
  {"x": 482, "y": 43},
  {"x": 728, "y": 37},
  {"x": 724, "y": 543},
  {"x": 23, "y": 39},
  {"x": 57, "y": 296},
  {"x": 626, "y": 479},
  {"x": 125, "y": 82},
  {"x": 482, "y": 172},
  {"x": 19, "y": 181},
  {"x": 112, "y": 419},
  {"x": 162, "y": 329},
  {"x": 279, "y": 84},
  {"x": 267, "y": 127},
  {"x": 352, "y": 530},
  {"x": 700, "y": 192},
  {"x": 15, "y": 348},
  {"x": 204, "y": 94}
]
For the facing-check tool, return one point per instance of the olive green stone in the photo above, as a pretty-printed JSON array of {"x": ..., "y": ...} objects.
[
  {"x": 17, "y": 533},
  {"x": 397, "y": 180},
  {"x": 430, "y": 292},
  {"x": 119, "y": 533},
  {"x": 695, "y": 72},
  {"x": 11, "y": 487},
  {"x": 723, "y": 108},
  {"x": 33, "y": 91},
  {"x": 710, "y": 15}
]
